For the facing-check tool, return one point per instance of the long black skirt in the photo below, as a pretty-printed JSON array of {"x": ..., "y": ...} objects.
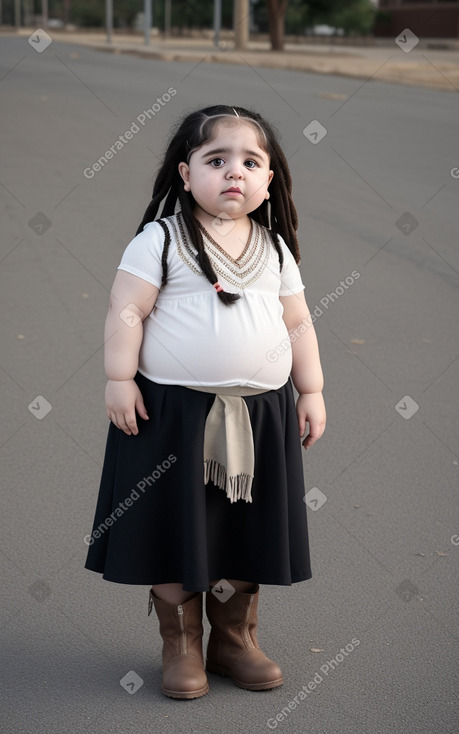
[{"x": 157, "y": 522}]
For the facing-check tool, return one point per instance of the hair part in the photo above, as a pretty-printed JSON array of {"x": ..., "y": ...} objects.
[
  {"x": 190, "y": 133},
  {"x": 209, "y": 126}
]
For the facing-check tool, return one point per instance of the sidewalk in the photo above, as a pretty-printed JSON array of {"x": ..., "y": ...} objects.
[{"x": 421, "y": 66}]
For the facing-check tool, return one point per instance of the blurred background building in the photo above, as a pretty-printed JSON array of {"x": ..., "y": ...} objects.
[{"x": 426, "y": 18}]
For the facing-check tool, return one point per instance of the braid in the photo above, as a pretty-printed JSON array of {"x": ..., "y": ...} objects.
[
  {"x": 284, "y": 214},
  {"x": 167, "y": 242},
  {"x": 203, "y": 259},
  {"x": 277, "y": 245}
]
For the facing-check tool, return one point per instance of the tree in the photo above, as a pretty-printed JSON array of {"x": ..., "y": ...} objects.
[
  {"x": 353, "y": 16},
  {"x": 276, "y": 15},
  {"x": 357, "y": 19}
]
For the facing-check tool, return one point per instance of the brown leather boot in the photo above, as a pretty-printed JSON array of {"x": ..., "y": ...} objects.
[
  {"x": 180, "y": 626},
  {"x": 233, "y": 648}
]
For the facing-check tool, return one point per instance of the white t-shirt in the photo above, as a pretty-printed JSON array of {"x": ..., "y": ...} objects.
[{"x": 190, "y": 337}]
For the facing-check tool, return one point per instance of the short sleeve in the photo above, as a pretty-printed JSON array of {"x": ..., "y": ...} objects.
[
  {"x": 142, "y": 256},
  {"x": 290, "y": 275}
]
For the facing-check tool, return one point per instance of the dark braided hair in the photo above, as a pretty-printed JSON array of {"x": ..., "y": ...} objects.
[{"x": 190, "y": 133}]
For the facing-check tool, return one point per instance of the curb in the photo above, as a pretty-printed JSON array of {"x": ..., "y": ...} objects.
[
  {"x": 288, "y": 65},
  {"x": 444, "y": 76}
]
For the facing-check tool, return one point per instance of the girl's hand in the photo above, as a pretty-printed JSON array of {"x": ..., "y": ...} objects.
[
  {"x": 310, "y": 408},
  {"x": 122, "y": 399}
]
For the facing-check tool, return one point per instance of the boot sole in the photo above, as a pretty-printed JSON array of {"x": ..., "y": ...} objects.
[
  {"x": 267, "y": 686},
  {"x": 187, "y": 695}
]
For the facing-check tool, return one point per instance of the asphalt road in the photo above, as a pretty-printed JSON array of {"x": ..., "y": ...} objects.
[{"x": 378, "y": 207}]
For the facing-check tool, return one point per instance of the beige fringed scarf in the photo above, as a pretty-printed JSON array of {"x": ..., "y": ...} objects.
[{"x": 229, "y": 458}]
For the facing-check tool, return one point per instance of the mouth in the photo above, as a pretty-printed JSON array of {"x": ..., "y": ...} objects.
[{"x": 233, "y": 190}]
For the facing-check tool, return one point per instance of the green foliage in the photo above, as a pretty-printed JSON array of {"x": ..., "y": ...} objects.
[
  {"x": 91, "y": 13},
  {"x": 195, "y": 14},
  {"x": 260, "y": 16},
  {"x": 184, "y": 13},
  {"x": 354, "y": 16},
  {"x": 87, "y": 13},
  {"x": 125, "y": 11},
  {"x": 322, "y": 11},
  {"x": 358, "y": 19},
  {"x": 296, "y": 17}
]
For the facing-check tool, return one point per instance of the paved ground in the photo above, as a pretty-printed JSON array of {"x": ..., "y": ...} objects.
[
  {"x": 378, "y": 212},
  {"x": 414, "y": 61}
]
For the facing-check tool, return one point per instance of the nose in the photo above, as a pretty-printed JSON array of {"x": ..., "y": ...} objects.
[{"x": 236, "y": 170}]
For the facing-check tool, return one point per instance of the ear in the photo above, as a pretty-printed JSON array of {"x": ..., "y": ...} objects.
[
  {"x": 271, "y": 174},
  {"x": 184, "y": 171}
]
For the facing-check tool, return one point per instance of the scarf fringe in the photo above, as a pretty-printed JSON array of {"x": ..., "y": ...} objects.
[{"x": 237, "y": 487}]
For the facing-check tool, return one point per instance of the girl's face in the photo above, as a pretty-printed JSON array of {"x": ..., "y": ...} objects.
[{"x": 228, "y": 176}]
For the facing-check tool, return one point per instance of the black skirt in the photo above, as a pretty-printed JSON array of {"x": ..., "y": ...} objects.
[{"x": 157, "y": 522}]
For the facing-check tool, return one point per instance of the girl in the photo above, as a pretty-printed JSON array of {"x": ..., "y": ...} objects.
[{"x": 202, "y": 486}]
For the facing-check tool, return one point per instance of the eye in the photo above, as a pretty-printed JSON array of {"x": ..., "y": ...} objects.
[
  {"x": 217, "y": 162},
  {"x": 252, "y": 164}
]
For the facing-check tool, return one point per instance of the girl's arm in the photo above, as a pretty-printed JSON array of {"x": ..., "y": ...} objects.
[
  {"x": 131, "y": 300},
  {"x": 307, "y": 373}
]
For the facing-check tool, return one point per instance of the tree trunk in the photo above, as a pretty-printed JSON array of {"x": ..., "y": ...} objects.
[{"x": 276, "y": 13}]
